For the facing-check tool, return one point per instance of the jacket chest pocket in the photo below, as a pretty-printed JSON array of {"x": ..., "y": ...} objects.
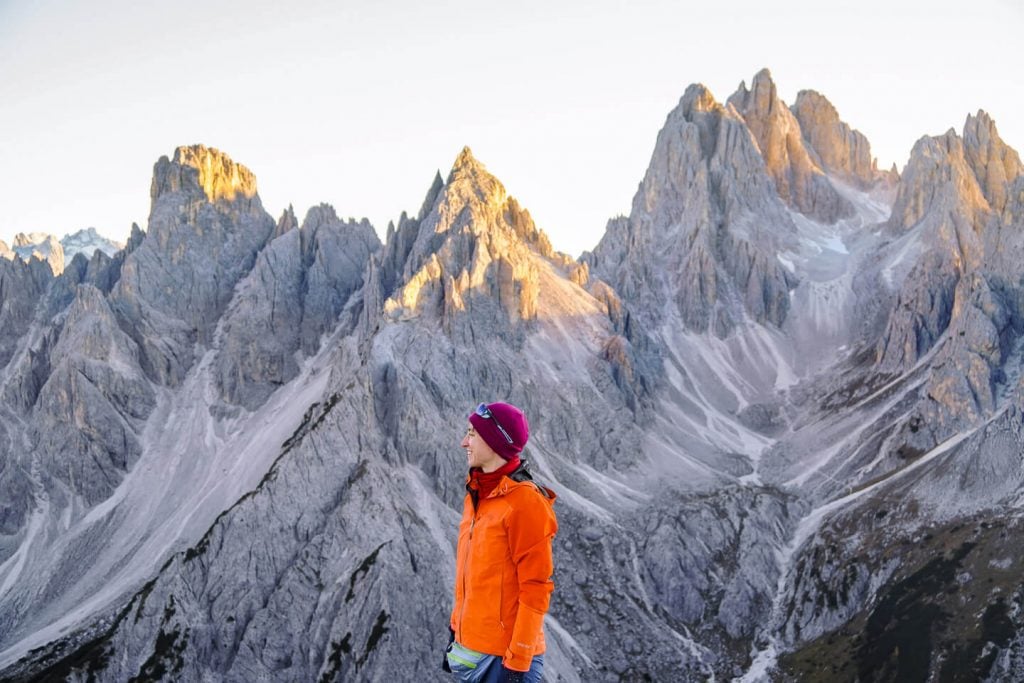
[{"x": 490, "y": 543}]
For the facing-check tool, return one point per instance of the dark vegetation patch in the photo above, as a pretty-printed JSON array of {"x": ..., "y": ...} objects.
[
  {"x": 376, "y": 634},
  {"x": 363, "y": 568},
  {"x": 908, "y": 452},
  {"x": 168, "y": 648},
  {"x": 944, "y": 616},
  {"x": 50, "y": 663},
  {"x": 338, "y": 648}
]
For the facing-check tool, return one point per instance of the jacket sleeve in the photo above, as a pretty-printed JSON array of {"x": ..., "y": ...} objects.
[{"x": 531, "y": 526}]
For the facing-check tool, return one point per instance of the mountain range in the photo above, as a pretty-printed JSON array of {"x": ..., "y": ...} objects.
[{"x": 780, "y": 402}]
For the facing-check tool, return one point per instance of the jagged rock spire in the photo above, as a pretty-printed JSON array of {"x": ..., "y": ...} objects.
[
  {"x": 705, "y": 225},
  {"x": 798, "y": 180},
  {"x": 994, "y": 163},
  {"x": 837, "y": 148},
  {"x": 469, "y": 247},
  {"x": 286, "y": 222}
]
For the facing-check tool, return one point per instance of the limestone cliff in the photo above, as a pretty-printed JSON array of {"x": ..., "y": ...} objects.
[{"x": 800, "y": 182}]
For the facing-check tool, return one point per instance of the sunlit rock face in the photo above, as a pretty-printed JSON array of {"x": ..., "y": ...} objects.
[
  {"x": 197, "y": 169},
  {"x": 995, "y": 165},
  {"x": 943, "y": 207},
  {"x": 470, "y": 260},
  {"x": 799, "y": 181},
  {"x": 836, "y": 148},
  {"x": 957, "y": 320},
  {"x": 41, "y": 246}
]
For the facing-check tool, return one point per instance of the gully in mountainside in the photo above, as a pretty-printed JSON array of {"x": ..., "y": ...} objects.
[{"x": 504, "y": 564}]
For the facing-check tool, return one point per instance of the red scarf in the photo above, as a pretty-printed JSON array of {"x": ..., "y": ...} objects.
[{"x": 487, "y": 481}]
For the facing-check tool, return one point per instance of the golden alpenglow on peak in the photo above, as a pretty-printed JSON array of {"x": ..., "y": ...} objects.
[
  {"x": 465, "y": 158},
  {"x": 698, "y": 98},
  {"x": 219, "y": 176},
  {"x": 469, "y": 180}
]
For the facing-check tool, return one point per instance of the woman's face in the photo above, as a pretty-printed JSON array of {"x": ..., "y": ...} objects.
[{"x": 478, "y": 453}]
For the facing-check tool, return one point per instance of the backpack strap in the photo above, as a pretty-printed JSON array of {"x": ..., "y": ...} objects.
[{"x": 522, "y": 474}]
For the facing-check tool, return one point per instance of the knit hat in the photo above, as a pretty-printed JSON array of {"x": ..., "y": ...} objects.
[{"x": 497, "y": 417}]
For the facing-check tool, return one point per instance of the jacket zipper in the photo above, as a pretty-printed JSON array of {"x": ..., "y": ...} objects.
[{"x": 465, "y": 567}]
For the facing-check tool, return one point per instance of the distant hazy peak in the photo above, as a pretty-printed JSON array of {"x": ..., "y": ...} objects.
[
  {"x": 31, "y": 239},
  {"x": 42, "y": 246},
  {"x": 199, "y": 168},
  {"x": 88, "y": 240}
]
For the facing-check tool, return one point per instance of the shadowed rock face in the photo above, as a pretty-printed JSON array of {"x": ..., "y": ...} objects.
[
  {"x": 799, "y": 181},
  {"x": 295, "y": 293},
  {"x": 21, "y": 286}
]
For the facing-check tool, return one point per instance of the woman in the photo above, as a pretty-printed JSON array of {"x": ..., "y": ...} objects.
[{"x": 503, "y": 565}]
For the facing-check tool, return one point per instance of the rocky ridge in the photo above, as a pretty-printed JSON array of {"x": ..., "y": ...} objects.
[{"x": 704, "y": 228}]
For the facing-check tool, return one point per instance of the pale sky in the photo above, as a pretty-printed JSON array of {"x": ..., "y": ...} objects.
[{"x": 357, "y": 103}]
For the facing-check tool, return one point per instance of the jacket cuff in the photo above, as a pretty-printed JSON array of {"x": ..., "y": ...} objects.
[{"x": 516, "y": 662}]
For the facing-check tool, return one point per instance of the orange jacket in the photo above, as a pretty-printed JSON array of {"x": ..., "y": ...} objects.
[{"x": 503, "y": 572}]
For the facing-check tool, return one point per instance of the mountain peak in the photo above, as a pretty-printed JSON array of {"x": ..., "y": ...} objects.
[
  {"x": 697, "y": 99},
  {"x": 465, "y": 159},
  {"x": 799, "y": 181},
  {"x": 31, "y": 239},
  {"x": 286, "y": 222},
  {"x": 840, "y": 150},
  {"x": 88, "y": 241},
  {"x": 469, "y": 182},
  {"x": 472, "y": 246},
  {"x": 197, "y": 168},
  {"x": 42, "y": 246},
  {"x": 763, "y": 81},
  {"x": 980, "y": 119},
  {"x": 994, "y": 163}
]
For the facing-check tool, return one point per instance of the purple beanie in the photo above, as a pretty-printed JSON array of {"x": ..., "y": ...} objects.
[{"x": 514, "y": 423}]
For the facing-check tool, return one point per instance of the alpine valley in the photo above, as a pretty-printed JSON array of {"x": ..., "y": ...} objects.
[{"x": 780, "y": 402}]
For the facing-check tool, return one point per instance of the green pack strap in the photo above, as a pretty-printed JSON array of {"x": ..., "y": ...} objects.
[
  {"x": 465, "y": 651},
  {"x": 455, "y": 658}
]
